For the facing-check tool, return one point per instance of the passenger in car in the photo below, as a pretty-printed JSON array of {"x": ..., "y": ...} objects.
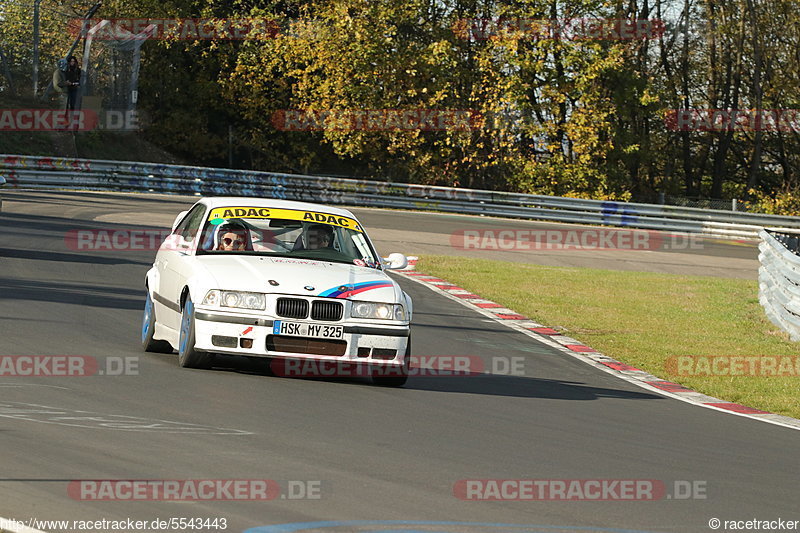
[{"x": 319, "y": 236}]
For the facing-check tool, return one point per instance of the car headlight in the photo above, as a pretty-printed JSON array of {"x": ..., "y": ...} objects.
[
  {"x": 236, "y": 299},
  {"x": 378, "y": 311}
]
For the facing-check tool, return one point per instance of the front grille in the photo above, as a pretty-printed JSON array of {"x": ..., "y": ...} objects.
[
  {"x": 292, "y": 308},
  {"x": 308, "y": 346},
  {"x": 324, "y": 310}
]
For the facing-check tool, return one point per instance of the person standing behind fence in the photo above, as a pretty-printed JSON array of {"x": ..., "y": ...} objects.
[{"x": 71, "y": 82}]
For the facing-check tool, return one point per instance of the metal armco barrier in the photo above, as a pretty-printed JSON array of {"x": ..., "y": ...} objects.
[
  {"x": 779, "y": 278},
  {"x": 50, "y": 172}
]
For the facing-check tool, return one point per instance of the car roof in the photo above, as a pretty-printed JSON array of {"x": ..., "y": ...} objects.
[{"x": 242, "y": 201}]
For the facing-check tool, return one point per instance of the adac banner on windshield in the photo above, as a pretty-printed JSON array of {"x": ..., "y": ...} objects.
[{"x": 224, "y": 213}]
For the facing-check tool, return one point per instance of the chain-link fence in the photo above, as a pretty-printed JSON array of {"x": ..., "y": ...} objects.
[
  {"x": 110, "y": 77},
  {"x": 790, "y": 240}
]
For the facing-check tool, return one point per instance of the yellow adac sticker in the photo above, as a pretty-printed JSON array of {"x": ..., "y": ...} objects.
[{"x": 285, "y": 214}]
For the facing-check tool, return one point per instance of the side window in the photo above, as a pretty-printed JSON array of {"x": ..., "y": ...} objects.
[
  {"x": 337, "y": 239},
  {"x": 191, "y": 223},
  {"x": 182, "y": 224}
]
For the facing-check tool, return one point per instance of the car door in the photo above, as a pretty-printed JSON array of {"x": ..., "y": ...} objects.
[{"x": 176, "y": 265}]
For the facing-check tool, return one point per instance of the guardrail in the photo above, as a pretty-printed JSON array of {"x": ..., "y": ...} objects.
[
  {"x": 779, "y": 278},
  {"x": 51, "y": 172}
]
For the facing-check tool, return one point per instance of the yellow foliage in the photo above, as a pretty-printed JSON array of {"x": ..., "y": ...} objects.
[{"x": 785, "y": 202}]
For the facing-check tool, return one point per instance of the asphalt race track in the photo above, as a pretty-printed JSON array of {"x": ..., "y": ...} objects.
[{"x": 371, "y": 454}]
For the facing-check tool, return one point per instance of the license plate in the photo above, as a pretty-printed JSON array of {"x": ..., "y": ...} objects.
[{"x": 303, "y": 329}]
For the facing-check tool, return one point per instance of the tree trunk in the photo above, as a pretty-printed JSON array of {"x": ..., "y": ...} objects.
[
  {"x": 755, "y": 162},
  {"x": 7, "y": 71},
  {"x": 726, "y": 137},
  {"x": 686, "y": 147}
]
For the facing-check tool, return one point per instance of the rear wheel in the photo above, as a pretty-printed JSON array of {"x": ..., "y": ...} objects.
[
  {"x": 149, "y": 327},
  {"x": 188, "y": 357},
  {"x": 398, "y": 376}
]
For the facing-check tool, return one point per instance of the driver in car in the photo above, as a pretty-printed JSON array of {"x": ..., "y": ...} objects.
[
  {"x": 318, "y": 236},
  {"x": 232, "y": 237}
]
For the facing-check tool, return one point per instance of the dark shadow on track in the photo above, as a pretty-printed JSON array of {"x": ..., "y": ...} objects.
[
  {"x": 92, "y": 198},
  {"x": 4, "y": 318},
  {"x": 60, "y": 292},
  {"x": 61, "y": 257},
  {"x": 482, "y": 384},
  {"x": 42, "y": 229},
  {"x": 51, "y": 226},
  {"x": 61, "y": 200},
  {"x": 59, "y": 226},
  {"x": 522, "y": 387}
]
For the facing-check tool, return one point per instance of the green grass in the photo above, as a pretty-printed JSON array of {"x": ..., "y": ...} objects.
[
  {"x": 88, "y": 145},
  {"x": 39, "y": 143},
  {"x": 114, "y": 145},
  {"x": 642, "y": 319}
]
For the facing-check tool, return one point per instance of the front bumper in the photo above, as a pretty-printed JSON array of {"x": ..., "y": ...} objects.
[{"x": 366, "y": 343}]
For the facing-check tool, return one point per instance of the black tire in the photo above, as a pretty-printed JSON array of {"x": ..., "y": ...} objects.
[
  {"x": 400, "y": 376},
  {"x": 188, "y": 357},
  {"x": 148, "y": 330}
]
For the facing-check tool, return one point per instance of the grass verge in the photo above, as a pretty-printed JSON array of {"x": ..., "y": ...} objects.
[
  {"x": 97, "y": 144},
  {"x": 644, "y": 319}
]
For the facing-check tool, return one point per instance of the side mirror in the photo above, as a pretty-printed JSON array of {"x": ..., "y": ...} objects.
[
  {"x": 395, "y": 261},
  {"x": 178, "y": 219}
]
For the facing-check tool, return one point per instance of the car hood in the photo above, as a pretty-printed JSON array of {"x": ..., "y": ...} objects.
[{"x": 298, "y": 276}]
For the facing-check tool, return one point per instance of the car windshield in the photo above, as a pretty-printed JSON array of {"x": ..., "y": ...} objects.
[{"x": 286, "y": 233}]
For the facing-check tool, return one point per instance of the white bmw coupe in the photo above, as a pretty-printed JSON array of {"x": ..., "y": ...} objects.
[{"x": 279, "y": 280}]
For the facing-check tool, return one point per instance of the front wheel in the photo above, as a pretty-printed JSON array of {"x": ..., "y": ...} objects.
[
  {"x": 188, "y": 357},
  {"x": 400, "y": 375},
  {"x": 149, "y": 328}
]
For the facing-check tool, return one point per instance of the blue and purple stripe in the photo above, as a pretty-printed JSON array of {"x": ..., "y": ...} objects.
[{"x": 353, "y": 289}]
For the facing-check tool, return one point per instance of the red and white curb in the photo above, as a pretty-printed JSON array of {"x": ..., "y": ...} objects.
[{"x": 580, "y": 351}]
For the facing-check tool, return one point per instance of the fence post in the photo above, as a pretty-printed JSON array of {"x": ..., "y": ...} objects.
[
  {"x": 87, "y": 47},
  {"x": 36, "y": 47}
]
